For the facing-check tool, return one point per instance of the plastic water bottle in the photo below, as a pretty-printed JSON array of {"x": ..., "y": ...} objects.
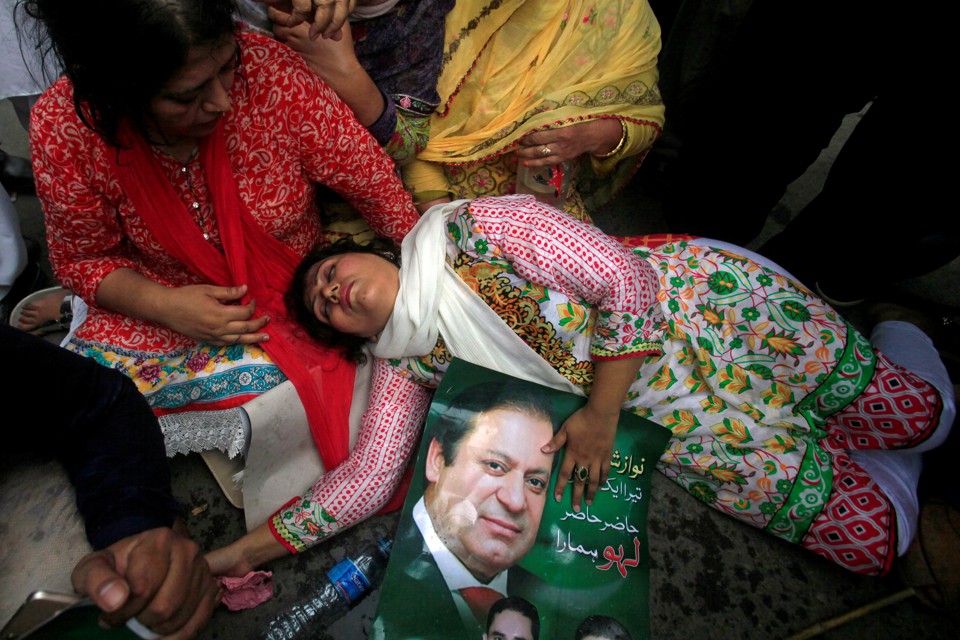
[{"x": 345, "y": 584}]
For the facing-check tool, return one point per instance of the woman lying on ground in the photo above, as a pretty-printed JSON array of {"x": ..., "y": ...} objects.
[
  {"x": 784, "y": 416},
  {"x": 176, "y": 163}
]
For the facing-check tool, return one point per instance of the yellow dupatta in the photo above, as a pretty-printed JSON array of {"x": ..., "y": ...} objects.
[{"x": 512, "y": 67}]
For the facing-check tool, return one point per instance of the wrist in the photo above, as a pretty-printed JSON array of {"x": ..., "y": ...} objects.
[
  {"x": 261, "y": 546},
  {"x": 606, "y": 151},
  {"x": 603, "y": 411}
]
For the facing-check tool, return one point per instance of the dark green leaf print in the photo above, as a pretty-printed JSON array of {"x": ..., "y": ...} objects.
[
  {"x": 795, "y": 310},
  {"x": 722, "y": 282}
]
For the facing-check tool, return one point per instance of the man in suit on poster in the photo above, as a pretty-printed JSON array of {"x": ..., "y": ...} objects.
[{"x": 486, "y": 486}]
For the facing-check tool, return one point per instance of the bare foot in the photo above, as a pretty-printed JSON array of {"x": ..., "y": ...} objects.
[{"x": 43, "y": 314}]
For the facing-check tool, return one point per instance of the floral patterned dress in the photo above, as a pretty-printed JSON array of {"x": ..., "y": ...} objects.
[{"x": 763, "y": 385}]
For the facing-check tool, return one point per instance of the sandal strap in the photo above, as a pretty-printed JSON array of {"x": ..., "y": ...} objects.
[{"x": 66, "y": 312}]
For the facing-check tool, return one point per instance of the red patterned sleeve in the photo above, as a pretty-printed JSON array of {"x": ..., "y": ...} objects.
[
  {"x": 362, "y": 484},
  {"x": 555, "y": 250},
  {"x": 84, "y": 234},
  {"x": 339, "y": 152}
]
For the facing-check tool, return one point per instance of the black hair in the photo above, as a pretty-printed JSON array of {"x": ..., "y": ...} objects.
[
  {"x": 119, "y": 53},
  {"x": 351, "y": 345},
  {"x": 602, "y": 627},
  {"x": 521, "y": 606},
  {"x": 461, "y": 415}
]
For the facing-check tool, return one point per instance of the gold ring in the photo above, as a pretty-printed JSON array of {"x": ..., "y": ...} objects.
[{"x": 545, "y": 151}]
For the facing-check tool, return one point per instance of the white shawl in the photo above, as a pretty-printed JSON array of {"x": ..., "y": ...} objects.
[{"x": 434, "y": 300}]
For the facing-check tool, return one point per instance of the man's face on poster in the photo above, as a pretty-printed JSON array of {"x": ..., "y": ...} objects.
[
  {"x": 510, "y": 625},
  {"x": 486, "y": 505}
]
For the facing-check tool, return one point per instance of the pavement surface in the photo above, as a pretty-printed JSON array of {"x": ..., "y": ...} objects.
[{"x": 710, "y": 576}]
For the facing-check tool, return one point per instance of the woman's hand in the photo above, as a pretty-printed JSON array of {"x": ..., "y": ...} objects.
[
  {"x": 239, "y": 558},
  {"x": 204, "y": 312},
  {"x": 550, "y": 147},
  {"x": 208, "y": 313},
  {"x": 328, "y": 58},
  {"x": 325, "y": 16},
  {"x": 590, "y": 432},
  {"x": 337, "y": 64},
  {"x": 588, "y": 436}
]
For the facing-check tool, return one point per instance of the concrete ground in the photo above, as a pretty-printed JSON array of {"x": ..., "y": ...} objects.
[{"x": 710, "y": 576}]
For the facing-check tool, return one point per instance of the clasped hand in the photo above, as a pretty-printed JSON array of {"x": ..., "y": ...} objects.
[
  {"x": 326, "y": 17},
  {"x": 158, "y": 576},
  {"x": 327, "y": 57},
  {"x": 208, "y": 313},
  {"x": 589, "y": 437}
]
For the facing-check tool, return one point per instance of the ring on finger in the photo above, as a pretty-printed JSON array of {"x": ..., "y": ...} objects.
[
  {"x": 545, "y": 150},
  {"x": 581, "y": 474}
]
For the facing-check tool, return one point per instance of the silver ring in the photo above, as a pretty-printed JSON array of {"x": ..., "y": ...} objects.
[
  {"x": 545, "y": 151},
  {"x": 581, "y": 474}
]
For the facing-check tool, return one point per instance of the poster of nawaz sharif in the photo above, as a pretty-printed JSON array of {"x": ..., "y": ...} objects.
[{"x": 480, "y": 522}]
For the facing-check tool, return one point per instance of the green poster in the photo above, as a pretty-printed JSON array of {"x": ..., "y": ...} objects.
[{"x": 480, "y": 522}]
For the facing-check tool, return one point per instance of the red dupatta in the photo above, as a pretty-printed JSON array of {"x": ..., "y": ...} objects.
[{"x": 253, "y": 257}]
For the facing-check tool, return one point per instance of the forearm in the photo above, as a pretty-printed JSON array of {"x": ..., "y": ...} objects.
[
  {"x": 423, "y": 207},
  {"x": 103, "y": 432},
  {"x": 247, "y": 553},
  {"x": 604, "y": 137},
  {"x": 132, "y": 294},
  {"x": 637, "y": 138},
  {"x": 353, "y": 164},
  {"x": 118, "y": 465},
  {"x": 616, "y": 280},
  {"x": 611, "y": 382},
  {"x": 355, "y": 87},
  {"x": 365, "y": 482}
]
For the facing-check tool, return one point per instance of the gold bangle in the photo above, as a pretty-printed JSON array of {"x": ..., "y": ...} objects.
[{"x": 620, "y": 145}]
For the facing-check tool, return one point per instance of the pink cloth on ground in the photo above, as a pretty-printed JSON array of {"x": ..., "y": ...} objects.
[{"x": 247, "y": 592}]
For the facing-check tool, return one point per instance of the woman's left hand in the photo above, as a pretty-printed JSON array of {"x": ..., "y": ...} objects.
[
  {"x": 245, "y": 554},
  {"x": 550, "y": 147},
  {"x": 588, "y": 436},
  {"x": 325, "y": 16},
  {"x": 327, "y": 58}
]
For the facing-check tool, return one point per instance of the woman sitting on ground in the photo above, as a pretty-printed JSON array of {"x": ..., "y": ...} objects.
[
  {"x": 176, "y": 163},
  {"x": 783, "y": 415}
]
